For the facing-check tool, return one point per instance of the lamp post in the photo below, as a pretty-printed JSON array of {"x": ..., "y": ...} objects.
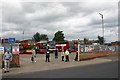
[
  {"x": 102, "y": 24},
  {"x": 23, "y": 34}
]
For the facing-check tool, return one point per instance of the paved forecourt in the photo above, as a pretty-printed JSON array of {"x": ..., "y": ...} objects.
[{"x": 26, "y": 66}]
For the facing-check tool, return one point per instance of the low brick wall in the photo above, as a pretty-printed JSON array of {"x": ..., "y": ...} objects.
[{"x": 96, "y": 54}]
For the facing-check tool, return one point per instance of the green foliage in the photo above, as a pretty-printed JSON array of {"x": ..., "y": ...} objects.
[
  {"x": 38, "y": 37},
  {"x": 43, "y": 37},
  {"x": 59, "y": 36},
  {"x": 101, "y": 40},
  {"x": 86, "y": 41}
]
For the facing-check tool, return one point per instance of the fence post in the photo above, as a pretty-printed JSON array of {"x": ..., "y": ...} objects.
[{"x": 78, "y": 52}]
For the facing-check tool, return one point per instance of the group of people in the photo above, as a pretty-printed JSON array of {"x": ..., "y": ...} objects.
[
  {"x": 8, "y": 57},
  {"x": 64, "y": 55}
]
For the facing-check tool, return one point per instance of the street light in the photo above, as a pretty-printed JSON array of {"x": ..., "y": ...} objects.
[
  {"x": 23, "y": 34},
  {"x": 102, "y": 24}
]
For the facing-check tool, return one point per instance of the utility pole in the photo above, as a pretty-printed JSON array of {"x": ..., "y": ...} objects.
[
  {"x": 23, "y": 35},
  {"x": 79, "y": 42},
  {"x": 102, "y": 24},
  {"x": 78, "y": 52}
]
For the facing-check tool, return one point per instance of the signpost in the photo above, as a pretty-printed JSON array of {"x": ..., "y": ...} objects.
[
  {"x": 79, "y": 42},
  {"x": 7, "y": 47},
  {"x": 51, "y": 45},
  {"x": 15, "y": 49},
  {"x": 1, "y": 51},
  {"x": 15, "y": 52},
  {"x": 11, "y": 40}
]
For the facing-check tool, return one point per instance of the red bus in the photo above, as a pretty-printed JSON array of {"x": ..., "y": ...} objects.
[
  {"x": 65, "y": 45},
  {"x": 26, "y": 46},
  {"x": 27, "y": 41},
  {"x": 41, "y": 47}
]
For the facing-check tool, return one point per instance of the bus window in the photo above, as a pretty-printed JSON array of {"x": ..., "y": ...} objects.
[
  {"x": 42, "y": 47},
  {"x": 59, "y": 47},
  {"x": 21, "y": 47},
  {"x": 29, "y": 47}
]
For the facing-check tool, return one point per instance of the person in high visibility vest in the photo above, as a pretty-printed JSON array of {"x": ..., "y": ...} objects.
[
  {"x": 62, "y": 55},
  {"x": 67, "y": 55}
]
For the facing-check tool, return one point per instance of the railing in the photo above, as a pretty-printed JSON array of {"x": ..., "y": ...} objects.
[{"x": 98, "y": 48}]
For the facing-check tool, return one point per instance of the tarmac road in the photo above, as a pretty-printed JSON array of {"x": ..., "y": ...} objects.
[{"x": 103, "y": 70}]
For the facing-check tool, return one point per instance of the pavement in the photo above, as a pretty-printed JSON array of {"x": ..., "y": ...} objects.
[
  {"x": 26, "y": 66},
  {"x": 103, "y": 70}
]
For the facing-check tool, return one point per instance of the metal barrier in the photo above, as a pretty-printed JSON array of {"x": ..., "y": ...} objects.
[{"x": 98, "y": 48}]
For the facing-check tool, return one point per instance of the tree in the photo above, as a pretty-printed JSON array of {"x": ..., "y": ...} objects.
[
  {"x": 43, "y": 37},
  {"x": 86, "y": 41},
  {"x": 36, "y": 37},
  {"x": 101, "y": 40},
  {"x": 59, "y": 36}
]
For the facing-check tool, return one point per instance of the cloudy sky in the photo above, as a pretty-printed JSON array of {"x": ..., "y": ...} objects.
[{"x": 77, "y": 19}]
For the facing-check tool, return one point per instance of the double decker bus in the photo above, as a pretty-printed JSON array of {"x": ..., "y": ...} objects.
[
  {"x": 26, "y": 46},
  {"x": 65, "y": 45},
  {"x": 41, "y": 47},
  {"x": 27, "y": 41}
]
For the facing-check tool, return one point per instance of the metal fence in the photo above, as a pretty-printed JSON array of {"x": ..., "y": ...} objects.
[{"x": 98, "y": 48}]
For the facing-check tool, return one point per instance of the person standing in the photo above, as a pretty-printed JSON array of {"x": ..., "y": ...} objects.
[
  {"x": 70, "y": 50},
  {"x": 76, "y": 56},
  {"x": 47, "y": 56},
  {"x": 67, "y": 55},
  {"x": 33, "y": 55},
  {"x": 7, "y": 58},
  {"x": 56, "y": 54},
  {"x": 62, "y": 55}
]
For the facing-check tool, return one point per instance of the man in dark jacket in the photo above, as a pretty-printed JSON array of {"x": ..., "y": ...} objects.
[
  {"x": 56, "y": 54},
  {"x": 47, "y": 55},
  {"x": 76, "y": 56}
]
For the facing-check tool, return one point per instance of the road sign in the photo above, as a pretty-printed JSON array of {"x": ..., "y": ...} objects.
[
  {"x": 15, "y": 49},
  {"x": 7, "y": 48},
  {"x": 79, "y": 42},
  {"x": 11, "y": 40},
  {"x": 52, "y": 43},
  {"x": 1, "y": 50}
]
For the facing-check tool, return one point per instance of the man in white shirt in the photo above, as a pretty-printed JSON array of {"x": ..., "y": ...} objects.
[
  {"x": 33, "y": 55},
  {"x": 7, "y": 58}
]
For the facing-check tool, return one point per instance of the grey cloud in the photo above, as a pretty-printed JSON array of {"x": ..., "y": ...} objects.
[
  {"x": 12, "y": 15},
  {"x": 51, "y": 18},
  {"x": 95, "y": 22},
  {"x": 109, "y": 22},
  {"x": 48, "y": 24},
  {"x": 73, "y": 7},
  {"x": 111, "y": 25}
]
